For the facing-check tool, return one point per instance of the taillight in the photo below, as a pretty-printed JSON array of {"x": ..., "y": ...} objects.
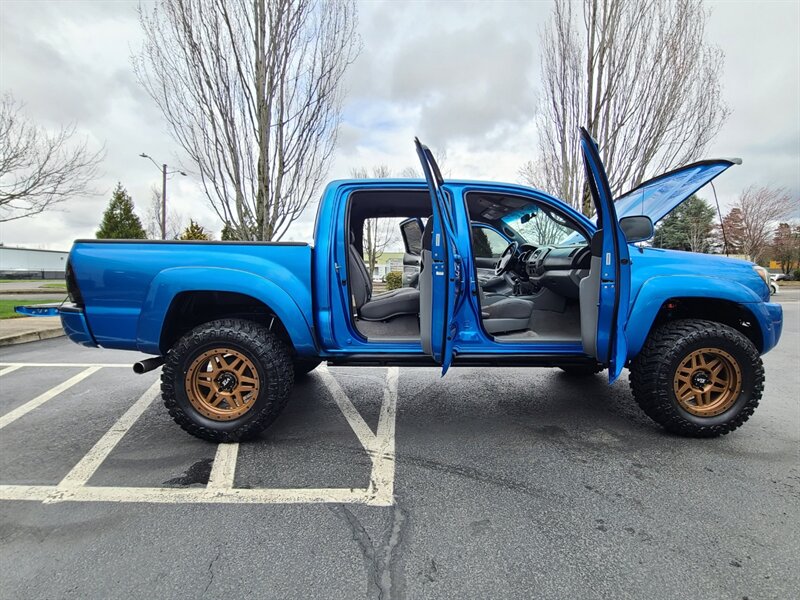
[{"x": 72, "y": 286}]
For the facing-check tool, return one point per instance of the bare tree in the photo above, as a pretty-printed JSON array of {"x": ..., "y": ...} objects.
[
  {"x": 251, "y": 90},
  {"x": 410, "y": 173},
  {"x": 640, "y": 76},
  {"x": 154, "y": 215},
  {"x": 379, "y": 233},
  {"x": 761, "y": 208},
  {"x": 39, "y": 169}
]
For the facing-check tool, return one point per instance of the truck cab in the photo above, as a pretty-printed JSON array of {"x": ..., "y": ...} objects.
[{"x": 503, "y": 275}]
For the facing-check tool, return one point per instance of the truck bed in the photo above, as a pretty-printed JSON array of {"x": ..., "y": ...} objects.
[{"x": 125, "y": 287}]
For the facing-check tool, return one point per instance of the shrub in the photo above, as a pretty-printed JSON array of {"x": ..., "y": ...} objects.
[
  {"x": 796, "y": 275},
  {"x": 394, "y": 280}
]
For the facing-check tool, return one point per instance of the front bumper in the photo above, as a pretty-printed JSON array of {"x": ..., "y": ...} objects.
[
  {"x": 73, "y": 320},
  {"x": 770, "y": 317}
]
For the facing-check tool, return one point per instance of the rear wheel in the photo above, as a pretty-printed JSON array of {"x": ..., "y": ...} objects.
[
  {"x": 226, "y": 380},
  {"x": 698, "y": 378}
]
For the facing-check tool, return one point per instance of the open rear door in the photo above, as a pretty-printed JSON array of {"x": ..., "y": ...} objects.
[
  {"x": 615, "y": 271},
  {"x": 440, "y": 269}
]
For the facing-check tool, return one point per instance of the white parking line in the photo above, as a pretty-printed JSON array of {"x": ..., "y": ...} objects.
[
  {"x": 224, "y": 467},
  {"x": 380, "y": 447},
  {"x": 20, "y": 411},
  {"x": 10, "y": 369},
  {"x": 354, "y": 418},
  {"x": 98, "y": 365},
  {"x": 51, "y": 494},
  {"x": 83, "y": 471}
]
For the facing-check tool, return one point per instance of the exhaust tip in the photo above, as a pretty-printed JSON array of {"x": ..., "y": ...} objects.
[{"x": 143, "y": 366}]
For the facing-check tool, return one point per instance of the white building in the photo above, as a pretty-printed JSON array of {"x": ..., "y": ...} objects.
[{"x": 39, "y": 263}]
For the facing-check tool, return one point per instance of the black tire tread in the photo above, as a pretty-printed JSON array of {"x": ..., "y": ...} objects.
[
  {"x": 269, "y": 350},
  {"x": 650, "y": 380}
]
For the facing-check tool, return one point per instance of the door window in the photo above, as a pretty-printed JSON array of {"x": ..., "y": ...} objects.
[{"x": 487, "y": 243}]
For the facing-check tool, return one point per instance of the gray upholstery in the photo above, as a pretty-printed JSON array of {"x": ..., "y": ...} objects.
[
  {"x": 510, "y": 308},
  {"x": 590, "y": 298},
  {"x": 426, "y": 288},
  {"x": 404, "y": 301},
  {"x": 506, "y": 315},
  {"x": 380, "y": 307},
  {"x": 503, "y": 314}
]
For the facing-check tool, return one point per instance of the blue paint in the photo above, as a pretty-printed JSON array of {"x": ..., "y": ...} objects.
[{"x": 128, "y": 287}]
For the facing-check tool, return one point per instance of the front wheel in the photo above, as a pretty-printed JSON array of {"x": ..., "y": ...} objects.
[
  {"x": 227, "y": 380},
  {"x": 698, "y": 378}
]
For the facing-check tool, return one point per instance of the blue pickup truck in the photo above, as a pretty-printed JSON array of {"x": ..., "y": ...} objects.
[{"x": 496, "y": 275}]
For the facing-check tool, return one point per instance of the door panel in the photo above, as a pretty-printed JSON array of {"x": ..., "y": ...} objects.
[
  {"x": 611, "y": 248},
  {"x": 441, "y": 276}
]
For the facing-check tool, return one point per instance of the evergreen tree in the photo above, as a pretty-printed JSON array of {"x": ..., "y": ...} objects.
[
  {"x": 733, "y": 230},
  {"x": 119, "y": 220},
  {"x": 194, "y": 231},
  {"x": 480, "y": 243},
  {"x": 688, "y": 227},
  {"x": 228, "y": 234}
]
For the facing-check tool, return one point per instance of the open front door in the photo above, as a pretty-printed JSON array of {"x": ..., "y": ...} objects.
[
  {"x": 440, "y": 269},
  {"x": 609, "y": 280}
]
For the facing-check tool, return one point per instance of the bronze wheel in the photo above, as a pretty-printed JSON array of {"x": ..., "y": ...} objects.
[
  {"x": 222, "y": 384},
  {"x": 707, "y": 382}
]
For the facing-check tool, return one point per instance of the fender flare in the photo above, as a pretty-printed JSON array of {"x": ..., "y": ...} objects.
[
  {"x": 655, "y": 291},
  {"x": 170, "y": 282}
]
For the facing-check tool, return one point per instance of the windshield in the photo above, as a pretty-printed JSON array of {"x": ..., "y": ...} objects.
[{"x": 539, "y": 226}]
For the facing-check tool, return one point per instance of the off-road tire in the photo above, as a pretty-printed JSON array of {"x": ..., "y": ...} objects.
[
  {"x": 304, "y": 366},
  {"x": 653, "y": 370},
  {"x": 581, "y": 370},
  {"x": 271, "y": 358}
]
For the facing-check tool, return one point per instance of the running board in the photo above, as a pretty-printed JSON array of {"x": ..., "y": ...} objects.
[{"x": 472, "y": 360}]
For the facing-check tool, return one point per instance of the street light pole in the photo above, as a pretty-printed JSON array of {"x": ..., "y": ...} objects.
[
  {"x": 164, "y": 173},
  {"x": 164, "y": 201}
]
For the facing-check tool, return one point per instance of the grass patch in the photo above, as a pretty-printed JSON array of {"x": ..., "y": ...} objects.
[
  {"x": 7, "y": 307},
  {"x": 54, "y": 286},
  {"x": 20, "y": 280}
]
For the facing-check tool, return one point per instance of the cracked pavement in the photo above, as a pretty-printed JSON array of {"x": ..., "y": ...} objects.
[{"x": 508, "y": 483}]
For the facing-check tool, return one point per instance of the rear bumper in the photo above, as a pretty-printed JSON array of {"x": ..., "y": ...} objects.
[{"x": 73, "y": 320}]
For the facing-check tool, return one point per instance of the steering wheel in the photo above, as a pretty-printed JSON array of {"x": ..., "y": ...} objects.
[{"x": 505, "y": 259}]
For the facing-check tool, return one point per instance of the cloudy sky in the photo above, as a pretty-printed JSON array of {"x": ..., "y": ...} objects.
[{"x": 462, "y": 76}]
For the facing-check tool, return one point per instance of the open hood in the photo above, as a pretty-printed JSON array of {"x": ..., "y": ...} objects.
[{"x": 657, "y": 197}]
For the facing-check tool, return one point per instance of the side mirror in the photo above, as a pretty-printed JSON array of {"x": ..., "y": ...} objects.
[
  {"x": 411, "y": 230},
  {"x": 637, "y": 229}
]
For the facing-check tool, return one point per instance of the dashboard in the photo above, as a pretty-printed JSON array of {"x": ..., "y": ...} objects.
[{"x": 558, "y": 268}]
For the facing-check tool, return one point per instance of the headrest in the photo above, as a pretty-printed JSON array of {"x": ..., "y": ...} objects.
[{"x": 427, "y": 234}]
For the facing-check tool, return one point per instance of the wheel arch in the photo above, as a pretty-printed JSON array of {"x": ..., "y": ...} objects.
[
  {"x": 182, "y": 298},
  {"x": 699, "y": 297}
]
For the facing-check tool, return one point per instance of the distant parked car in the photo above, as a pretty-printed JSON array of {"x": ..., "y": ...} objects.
[
  {"x": 781, "y": 277},
  {"x": 773, "y": 284}
]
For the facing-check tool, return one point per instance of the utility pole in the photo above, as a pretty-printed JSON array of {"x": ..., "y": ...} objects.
[{"x": 164, "y": 173}]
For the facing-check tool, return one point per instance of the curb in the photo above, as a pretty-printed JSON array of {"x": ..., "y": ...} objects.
[
  {"x": 31, "y": 336},
  {"x": 35, "y": 292}
]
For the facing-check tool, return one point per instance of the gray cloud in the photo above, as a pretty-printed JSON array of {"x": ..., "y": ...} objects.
[{"x": 462, "y": 75}]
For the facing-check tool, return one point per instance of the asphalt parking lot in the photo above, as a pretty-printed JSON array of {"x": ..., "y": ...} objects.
[{"x": 391, "y": 483}]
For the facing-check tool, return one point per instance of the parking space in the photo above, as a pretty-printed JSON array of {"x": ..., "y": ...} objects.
[
  {"x": 390, "y": 483},
  {"x": 120, "y": 451}
]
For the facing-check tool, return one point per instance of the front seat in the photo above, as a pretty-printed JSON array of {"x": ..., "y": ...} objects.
[
  {"x": 403, "y": 301},
  {"x": 506, "y": 315}
]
